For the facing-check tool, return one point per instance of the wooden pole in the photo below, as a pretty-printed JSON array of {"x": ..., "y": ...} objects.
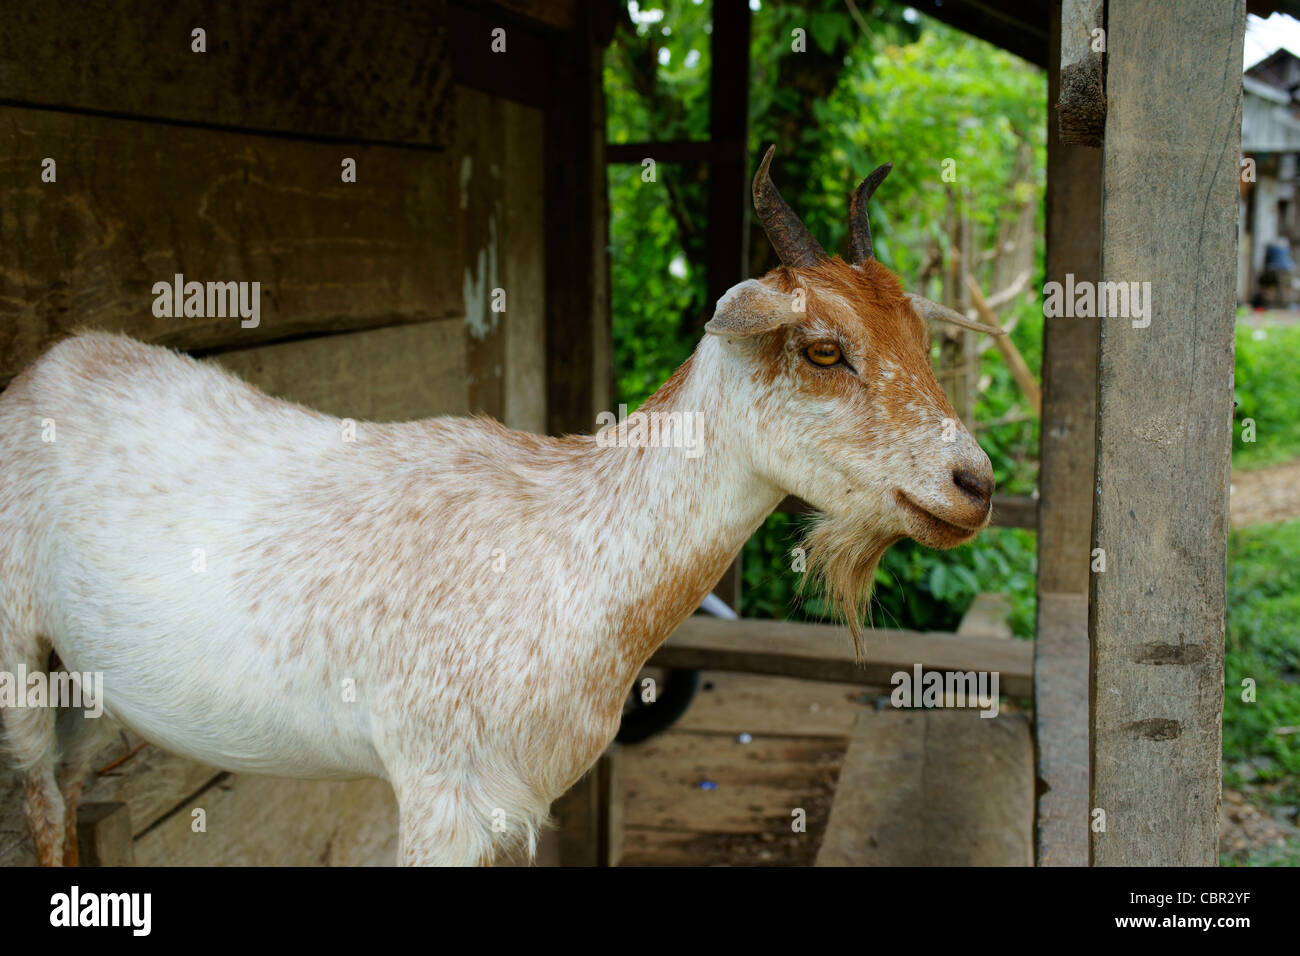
[
  {"x": 1065, "y": 490},
  {"x": 1169, "y": 204}
]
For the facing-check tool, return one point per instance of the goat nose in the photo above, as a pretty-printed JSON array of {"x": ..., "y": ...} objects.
[{"x": 977, "y": 486}]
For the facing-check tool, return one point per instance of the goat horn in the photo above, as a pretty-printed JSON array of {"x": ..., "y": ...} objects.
[
  {"x": 933, "y": 310},
  {"x": 790, "y": 238},
  {"x": 859, "y": 229}
]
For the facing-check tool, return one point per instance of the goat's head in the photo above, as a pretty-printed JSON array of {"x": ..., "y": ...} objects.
[{"x": 849, "y": 415}]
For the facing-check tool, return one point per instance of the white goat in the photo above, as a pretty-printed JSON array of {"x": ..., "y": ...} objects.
[{"x": 234, "y": 567}]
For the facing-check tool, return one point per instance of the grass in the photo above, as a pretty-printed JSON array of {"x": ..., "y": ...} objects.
[{"x": 1266, "y": 393}]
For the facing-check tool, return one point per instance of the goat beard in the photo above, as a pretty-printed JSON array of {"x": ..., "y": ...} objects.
[{"x": 842, "y": 558}]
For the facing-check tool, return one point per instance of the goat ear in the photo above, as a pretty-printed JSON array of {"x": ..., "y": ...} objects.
[{"x": 753, "y": 308}]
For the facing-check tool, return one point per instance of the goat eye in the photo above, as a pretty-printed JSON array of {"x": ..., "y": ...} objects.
[{"x": 824, "y": 353}]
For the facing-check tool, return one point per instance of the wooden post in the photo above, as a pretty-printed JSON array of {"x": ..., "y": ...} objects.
[
  {"x": 1169, "y": 194},
  {"x": 104, "y": 835},
  {"x": 1065, "y": 488},
  {"x": 578, "y": 353},
  {"x": 729, "y": 194}
]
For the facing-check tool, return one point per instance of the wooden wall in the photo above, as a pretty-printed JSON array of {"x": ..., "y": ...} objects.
[{"x": 376, "y": 295}]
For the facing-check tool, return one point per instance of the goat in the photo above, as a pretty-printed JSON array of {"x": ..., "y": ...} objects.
[{"x": 447, "y": 604}]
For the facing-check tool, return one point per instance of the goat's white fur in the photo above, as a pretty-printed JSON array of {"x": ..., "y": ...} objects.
[{"x": 490, "y": 594}]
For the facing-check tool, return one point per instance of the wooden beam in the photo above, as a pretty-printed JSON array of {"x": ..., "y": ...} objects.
[
  {"x": 521, "y": 73},
  {"x": 729, "y": 192},
  {"x": 579, "y": 376},
  {"x": 1067, "y": 446},
  {"x": 370, "y": 71},
  {"x": 136, "y": 203},
  {"x": 676, "y": 151},
  {"x": 1019, "y": 26},
  {"x": 933, "y": 788},
  {"x": 1081, "y": 96},
  {"x": 104, "y": 835},
  {"x": 825, "y": 652},
  {"x": 1164, "y": 430},
  {"x": 589, "y": 817}
]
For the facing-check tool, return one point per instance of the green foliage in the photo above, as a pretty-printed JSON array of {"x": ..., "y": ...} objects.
[
  {"x": 1265, "y": 388},
  {"x": 1263, "y": 643}
]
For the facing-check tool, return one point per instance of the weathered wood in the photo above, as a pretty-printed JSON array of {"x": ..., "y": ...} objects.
[
  {"x": 1081, "y": 97},
  {"x": 1016, "y": 25},
  {"x": 697, "y": 798},
  {"x": 1164, "y": 430},
  {"x": 579, "y": 376},
  {"x": 1067, "y": 446},
  {"x": 264, "y": 821},
  {"x": 986, "y": 617},
  {"x": 933, "y": 788},
  {"x": 525, "y": 265},
  {"x": 590, "y": 828},
  {"x": 104, "y": 835},
  {"x": 367, "y": 70},
  {"x": 149, "y": 781},
  {"x": 522, "y": 73},
  {"x": 556, "y": 14},
  {"x": 481, "y": 142},
  {"x": 394, "y": 374},
  {"x": 672, "y": 151},
  {"x": 728, "y": 702},
  {"x": 825, "y": 652},
  {"x": 136, "y": 203},
  {"x": 1061, "y": 718}
]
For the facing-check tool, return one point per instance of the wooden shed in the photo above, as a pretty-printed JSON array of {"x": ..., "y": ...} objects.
[
  {"x": 461, "y": 270},
  {"x": 478, "y": 138}
]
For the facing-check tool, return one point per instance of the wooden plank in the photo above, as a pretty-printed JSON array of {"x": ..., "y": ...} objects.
[
  {"x": 264, "y": 821},
  {"x": 579, "y": 376},
  {"x": 703, "y": 798},
  {"x": 589, "y": 827},
  {"x": 500, "y": 145},
  {"x": 370, "y": 70},
  {"x": 104, "y": 835},
  {"x": 673, "y": 151},
  {"x": 1061, "y": 718},
  {"x": 933, "y": 788},
  {"x": 1067, "y": 446},
  {"x": 137, "y": 203},
  {"x": 481, "y": 145},
  {"x": 824, "y": 652},
  {"x": 1081, "y": 97},
  {"x": 525, "y": 263},
  {"x": 1019, "y": 26},
  {"x": 521, "y": 73},
  {"x": 729, "y": 702},
  {"x": 986, "y": 617},
  {"x": 556, "y": 14},
  {"x": 394, "y": 374},
  {"x": 1164, "y": 430}
]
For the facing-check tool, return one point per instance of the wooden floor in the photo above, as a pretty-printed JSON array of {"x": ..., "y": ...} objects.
[{"x": 927, "y": 787}]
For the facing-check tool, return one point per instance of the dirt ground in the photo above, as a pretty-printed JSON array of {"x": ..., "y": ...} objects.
[{"x": 1265, "y": 495}]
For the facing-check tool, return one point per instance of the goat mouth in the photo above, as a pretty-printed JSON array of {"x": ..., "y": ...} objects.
[{"x": 941, "y": 527}]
